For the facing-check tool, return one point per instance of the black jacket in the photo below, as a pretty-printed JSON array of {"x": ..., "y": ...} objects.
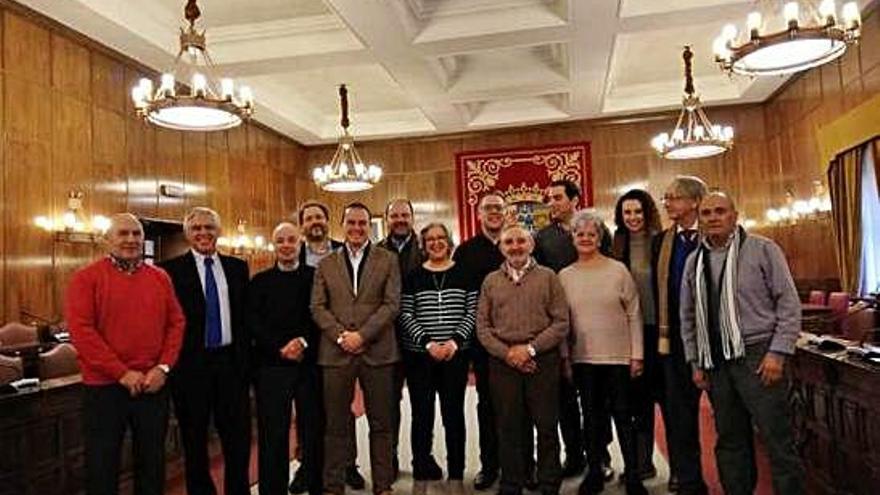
[{"x": 188, "y": 287}]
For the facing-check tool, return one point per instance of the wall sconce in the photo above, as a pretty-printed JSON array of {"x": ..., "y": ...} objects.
[
  {"x": 813, "y": 208},
  {"x": 242, "y": 243},
  {"x": 70, "y": 226}
]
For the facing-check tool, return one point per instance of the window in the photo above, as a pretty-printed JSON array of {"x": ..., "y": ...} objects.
[{"x": 870, "y": 263}]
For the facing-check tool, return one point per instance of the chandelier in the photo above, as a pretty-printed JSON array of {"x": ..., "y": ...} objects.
[
  {"x": 346, "y": 172},
  {"x": 694, "y": 135},
  {"x": 210, "y": 104},
  {"x": 809, "y": 38},
  {"x": 71, "y": 225}
]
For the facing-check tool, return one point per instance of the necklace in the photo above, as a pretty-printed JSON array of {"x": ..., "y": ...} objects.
[{"x": 439, "y": 286}]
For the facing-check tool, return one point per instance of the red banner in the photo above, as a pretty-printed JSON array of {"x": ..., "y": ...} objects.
[{"x": 521, "y": 175}]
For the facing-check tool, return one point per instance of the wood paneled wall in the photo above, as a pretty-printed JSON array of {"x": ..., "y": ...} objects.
[
  {"x": 67, "y": 123},
  {"x": 775, "y": 151}
]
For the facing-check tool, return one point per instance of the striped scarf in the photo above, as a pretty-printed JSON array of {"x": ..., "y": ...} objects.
[{"x": 732, "y": 343}]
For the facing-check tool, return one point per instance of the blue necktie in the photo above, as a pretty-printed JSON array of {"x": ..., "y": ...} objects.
[{"x": 213, "y": 333}]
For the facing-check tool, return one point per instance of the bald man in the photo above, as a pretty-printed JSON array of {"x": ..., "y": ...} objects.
[
  {"x": 127, "y": 328},
  {"x": 286, "y": 340},
  {"x": 521, "y": 320},
  {"x": 740, "y": 319}
]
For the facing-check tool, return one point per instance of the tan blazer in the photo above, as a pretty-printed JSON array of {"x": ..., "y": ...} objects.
[{"x": 372, "y": 312}]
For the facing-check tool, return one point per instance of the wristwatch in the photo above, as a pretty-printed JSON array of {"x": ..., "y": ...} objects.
[
  {"x": 164, "y": 367},
  {"x": 532, "y": 351}
]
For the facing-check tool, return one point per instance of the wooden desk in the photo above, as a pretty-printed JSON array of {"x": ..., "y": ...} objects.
[
  {"x": 41, "y": 439},
  {"x": 836, "y": 411}
]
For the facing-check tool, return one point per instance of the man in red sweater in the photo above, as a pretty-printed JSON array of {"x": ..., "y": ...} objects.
[{"x": 127, "y": 327}]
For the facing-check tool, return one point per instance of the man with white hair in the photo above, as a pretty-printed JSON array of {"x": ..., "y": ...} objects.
[
  {"x": 521, "y": 320},
  {"x": 127, "y": 328},
  {"x": 212, "y": 376}
]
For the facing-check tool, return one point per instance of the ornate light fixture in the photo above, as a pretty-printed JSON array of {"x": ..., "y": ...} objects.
[
  {"x": 210, "y": 105},
  {"x": 809, "y": 38},
  {"x": 346, "y": 172},
  {"x": 694, "y": 135},
  {"x": 70, "y": 226},
  {"x": 242, "y": 243},
  {"x": 815, "y": 207}
]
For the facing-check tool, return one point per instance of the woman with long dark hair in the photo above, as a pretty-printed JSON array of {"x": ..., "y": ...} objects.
[{"x": 638, "y": 220}]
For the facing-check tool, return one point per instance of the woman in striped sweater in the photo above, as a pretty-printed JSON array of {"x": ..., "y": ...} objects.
[{"x": 437, "y": 316}]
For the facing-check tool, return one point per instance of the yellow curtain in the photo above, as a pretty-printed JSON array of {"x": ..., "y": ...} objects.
[{"x": 844, "y": 184}]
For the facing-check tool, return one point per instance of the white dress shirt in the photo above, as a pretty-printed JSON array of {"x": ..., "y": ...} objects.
[
  {"x": 355, "y": 258},
  {"x": 222, "y": 293}
]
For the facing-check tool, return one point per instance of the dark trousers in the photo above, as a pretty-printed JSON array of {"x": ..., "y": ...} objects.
[
  {"x": 377, "y": 384},
  {"x": 108, "y": 410},
  {"x": 214, "y": 386},
  {"x": 570, "y": 422},
  {"x": 486, "y": 423},
  {"x": 534, "y": 398},
  {"x": 485, "y": 412},
  {"x": 605, "y": 389},
  {"x": 645, "y": 392},
  {"x": 277, "y": 387},
  {"x": 681, "y": 414},
  {"x": 400, "y": 379},
  {"x": 739, "y": 399},
  {"x": 427, "y": 379}
]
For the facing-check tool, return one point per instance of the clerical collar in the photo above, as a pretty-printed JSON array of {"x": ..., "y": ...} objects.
[
  {"x": 125, "y": 266},
  {"x": 287, "y": 268}
]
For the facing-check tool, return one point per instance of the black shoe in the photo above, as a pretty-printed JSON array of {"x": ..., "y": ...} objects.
[
  {"x": 673, "y": 486},
  {"x": 485, "y": 480},
  {"x": 299, "y": 483},
  {"x": 591, "y": 485},
  {"x": 636, "y": 488},
  {"x": 531, "y": 481},
  {"x": 433, "y": 472},
  {"x": 644, "y": 475},
  {"x": 353, "y": 478},
  {"x": 395, "y": 468},
  {"x": 573, "y": 467},
  {"x": 607, "y": 473}
]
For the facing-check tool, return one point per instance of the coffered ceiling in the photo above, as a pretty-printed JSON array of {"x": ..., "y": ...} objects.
[{"x": 416, "y": 67}]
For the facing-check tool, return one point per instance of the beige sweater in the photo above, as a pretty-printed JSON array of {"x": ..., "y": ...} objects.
[
  {"x": 533, "y": 311},
  {"x": 605, "y": 318}
]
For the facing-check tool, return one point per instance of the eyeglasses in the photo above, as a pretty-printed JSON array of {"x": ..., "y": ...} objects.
[
  {"x": 671, "y": 197},
  {"x": 492, "y": 208},
  {"x": 434, "y": 239}
]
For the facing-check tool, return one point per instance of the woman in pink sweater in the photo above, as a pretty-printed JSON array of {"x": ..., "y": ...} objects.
[{"x": 606, "y": 346}]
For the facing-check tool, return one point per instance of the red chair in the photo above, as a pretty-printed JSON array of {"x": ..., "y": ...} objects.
[
  {"x": 58, "y": 362},
  {"x": 839, "y": 303},
  {"x": 18, "y": 334},
  {"x": 10, "y": 369},
  {"x": 818, "y": 297}
]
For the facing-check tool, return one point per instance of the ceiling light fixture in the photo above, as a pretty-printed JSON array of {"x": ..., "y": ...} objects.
[
  {"x": 210, "y": 105},
  {"x": 808, "y": 38},
  {"x": 694, "y": 135},
  {"x": 346, "y": 172}
]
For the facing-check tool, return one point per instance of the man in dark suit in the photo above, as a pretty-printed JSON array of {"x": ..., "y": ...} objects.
[
  {"x": 211, "y": 376},
  {"x": 287, "y": 348},
  {"x": 355, "y": 299},
  {"x": 681, "y": 398}
]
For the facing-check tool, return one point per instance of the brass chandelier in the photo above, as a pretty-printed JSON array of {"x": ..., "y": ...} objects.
[
  {"x": 808, "y": 38},
  {"x": 211, "y": 103},
  {"x": 346, "y": 171},
  {"x": 694, "y": 135}
]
